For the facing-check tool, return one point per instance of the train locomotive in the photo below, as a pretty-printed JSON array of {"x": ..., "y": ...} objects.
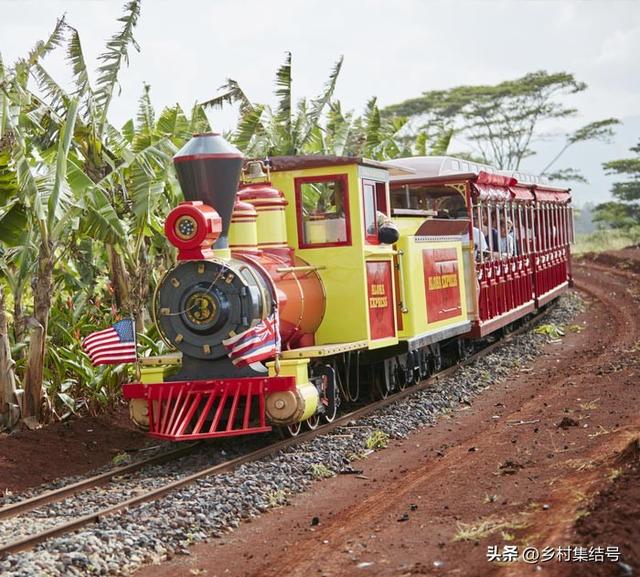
[{"x": 290, "y": 296}]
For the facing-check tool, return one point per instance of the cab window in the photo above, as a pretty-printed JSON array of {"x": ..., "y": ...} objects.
[
  {"x": 370, "y": 212},
  {"x": 322, "y": 208}
]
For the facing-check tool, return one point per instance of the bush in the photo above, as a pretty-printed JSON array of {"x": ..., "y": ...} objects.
[{"x": 603, "y": 240}]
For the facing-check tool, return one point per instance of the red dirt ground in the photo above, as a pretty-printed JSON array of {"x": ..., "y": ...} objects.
[
  {"x": 30, "y": 458},
  {"x": 531, "y": 462}
]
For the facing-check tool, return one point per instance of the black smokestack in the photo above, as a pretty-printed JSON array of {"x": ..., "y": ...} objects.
[{"x": 209, "y": 169}]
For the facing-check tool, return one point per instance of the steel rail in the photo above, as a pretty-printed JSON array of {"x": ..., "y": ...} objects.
[
  {"x": 31, "y": 541},
  {"x": 13, "y": 509}
]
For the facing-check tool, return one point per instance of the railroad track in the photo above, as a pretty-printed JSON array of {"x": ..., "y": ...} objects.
[{"x": 14, "y": 510}]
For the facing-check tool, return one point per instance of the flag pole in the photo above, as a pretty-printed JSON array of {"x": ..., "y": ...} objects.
[{"x": 135, "y": 339}]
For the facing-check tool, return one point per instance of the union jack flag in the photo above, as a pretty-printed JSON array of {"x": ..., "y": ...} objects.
[
  {"x": 112, "y": 346},
  {"x": 256, "y": 344}
]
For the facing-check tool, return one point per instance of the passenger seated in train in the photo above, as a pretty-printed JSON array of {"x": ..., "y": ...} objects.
[
  {"x": 507, "y": 240},
  {"x": 493, "y": 240}
]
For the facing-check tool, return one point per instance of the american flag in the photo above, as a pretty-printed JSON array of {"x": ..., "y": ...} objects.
[
  {"x": 112, "y": 346},
  {"x": 256, "y": 344}
]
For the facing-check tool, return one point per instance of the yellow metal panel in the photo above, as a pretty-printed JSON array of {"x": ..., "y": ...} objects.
[
  {"x": 415, "y": 319},
  {"x": 169, "y": 359},
  {"x": 152, "y": 375},
  {"x": 298, "y": 368},
  {"x": 346, "y": 317},
  {"x": 324, "y": 350},
  {"x": 271, "y": 225}
]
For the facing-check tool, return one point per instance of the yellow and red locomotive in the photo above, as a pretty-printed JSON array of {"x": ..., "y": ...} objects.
[{"x": 329, "y": 276}]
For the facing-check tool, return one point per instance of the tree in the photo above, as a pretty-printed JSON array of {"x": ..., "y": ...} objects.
[
  {"x": 624, "y": 211},
  {"x": 501, "y": 120},
  {"x": 289, "y": 129},
  {"x": 600, "y": 130},
  {"x": 77, "y": 195},
  {"x": 319, "y": 125}
]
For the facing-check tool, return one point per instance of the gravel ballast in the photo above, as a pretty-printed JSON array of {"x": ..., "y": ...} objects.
[{"x": 154, "y": 531}]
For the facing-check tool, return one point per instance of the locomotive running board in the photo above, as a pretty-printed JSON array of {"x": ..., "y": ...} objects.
[{"x": 192, "y": 410}]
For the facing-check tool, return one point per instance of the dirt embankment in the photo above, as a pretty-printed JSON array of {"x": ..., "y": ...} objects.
[
  {"x": 74, "y": 447},
  {"x": 541, "y": 460}
]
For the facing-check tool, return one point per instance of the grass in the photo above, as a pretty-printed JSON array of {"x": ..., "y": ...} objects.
[
  {"x": 551, "y": 330},
  {"x": 614, "y": 474},
  {"x": 485, "y": 527},
  {"x": 603, "y": 240},
  {"x": 320, "y": 471},
  {"x": 377, "y": 440},
  {"x": 121, "y": 459},
  {"x": 590, "y": 405},
  {"x": 276, "y": 498}
]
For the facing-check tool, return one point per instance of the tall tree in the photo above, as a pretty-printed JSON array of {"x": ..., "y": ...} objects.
[
  {"x": 624, "y": 211},
  {"x": 500, "y": 121}
]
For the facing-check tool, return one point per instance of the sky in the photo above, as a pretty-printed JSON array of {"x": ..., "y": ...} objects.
[{"x": 393, "y": 50}]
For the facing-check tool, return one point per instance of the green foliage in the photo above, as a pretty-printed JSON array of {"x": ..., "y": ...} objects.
[
  {"x": 551, "y": 330},
  {"x": 285, "y": 130},
  {"x": 320, "y": 471},
  {"x": 71, "y": 186},
  {"x": 377, "y": 440},
  {"x": 121, "y": 459},
  {"x": 500, "y": 120},
  {"x": 624, "y": 211},
  {"x": 606, "y": 240}
]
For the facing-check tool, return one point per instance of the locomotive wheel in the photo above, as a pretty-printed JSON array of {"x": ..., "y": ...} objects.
[
  {"x": 423, "y": 363},
  {"x": 379, "y": 388},
  {"x": 313, "y": 422},
  {"x": 400, "y": 375},
  {"x": 329, "y": 418},
  {"x": 436, "y": 358},
  {"x": 465, "y": 349},
  {"x": 294, "y": 430}
]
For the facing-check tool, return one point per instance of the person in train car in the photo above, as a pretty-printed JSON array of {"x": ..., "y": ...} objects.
[
  {"x": 507, "y": 240},
  {"x": 493, "y": 243},
  {"x": 479, "y": 240}
]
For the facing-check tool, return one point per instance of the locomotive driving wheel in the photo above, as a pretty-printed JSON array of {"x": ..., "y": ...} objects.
[
  {"x": 436, "y": 357},
  {"x": 380, "y": 385},
  {"x": 313, "y": 422},
  {"x": 328, "y": 390},
  {"x": 294, "y": 429}
]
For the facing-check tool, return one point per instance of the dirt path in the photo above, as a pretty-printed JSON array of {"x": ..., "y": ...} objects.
[{"x": 518, "y": 467}]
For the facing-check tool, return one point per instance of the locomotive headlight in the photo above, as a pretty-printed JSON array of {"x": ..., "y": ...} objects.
[
  {"x": 186, "y": 227},
  {"x": 193, "y": 227}
]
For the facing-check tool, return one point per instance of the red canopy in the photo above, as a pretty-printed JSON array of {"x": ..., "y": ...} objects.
[
  {"x": 487, "y": 192},
  {"x": 521, "y": 193},
  {"x": 549, "y": 195}
]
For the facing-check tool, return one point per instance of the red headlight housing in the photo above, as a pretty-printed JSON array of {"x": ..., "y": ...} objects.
[{"x": 193, "y": 227}]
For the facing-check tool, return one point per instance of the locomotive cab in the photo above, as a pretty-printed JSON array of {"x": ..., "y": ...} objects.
[{"x": 336, "y": 207}]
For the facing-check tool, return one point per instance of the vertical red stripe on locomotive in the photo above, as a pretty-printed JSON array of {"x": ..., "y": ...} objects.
[
  {"x": 380, "y": 300},
  {"x": 441, "y": 283}
]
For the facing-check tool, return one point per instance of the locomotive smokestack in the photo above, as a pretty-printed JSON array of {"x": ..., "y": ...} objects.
[{"x": 209, "y": 169}]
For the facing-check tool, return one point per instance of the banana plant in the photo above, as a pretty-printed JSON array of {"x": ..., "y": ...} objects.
[{"x": 288, "y": 129}]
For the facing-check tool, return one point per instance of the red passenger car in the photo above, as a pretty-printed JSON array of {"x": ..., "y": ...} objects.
[{"x": 519, "y": 232}]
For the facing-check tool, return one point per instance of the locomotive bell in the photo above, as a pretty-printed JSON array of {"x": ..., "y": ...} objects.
[{"x": 208, "y": 169}]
